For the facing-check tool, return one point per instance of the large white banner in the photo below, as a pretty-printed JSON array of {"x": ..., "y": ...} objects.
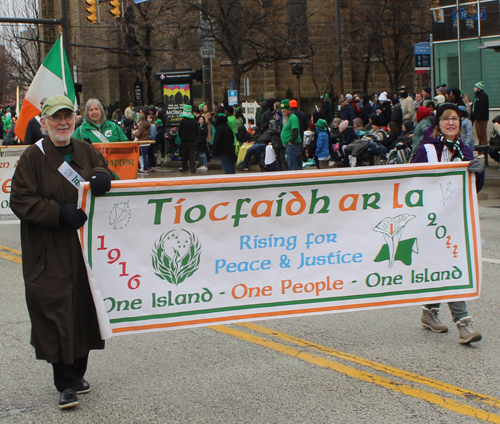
[
  {"x": 197, "y": 251},
  {"x": 9, "y": 156}
]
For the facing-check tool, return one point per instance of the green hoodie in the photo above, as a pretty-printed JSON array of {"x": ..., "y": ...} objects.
[{"x": 109, "y": 130}]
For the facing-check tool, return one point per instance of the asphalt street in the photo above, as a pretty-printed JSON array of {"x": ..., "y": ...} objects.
[{"x": 375, "y": 366}]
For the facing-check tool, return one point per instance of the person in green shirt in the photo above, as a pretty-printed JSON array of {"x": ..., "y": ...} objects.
[
  {"x": 290, "y": 135},
  {"x": 96, "y": 128}
]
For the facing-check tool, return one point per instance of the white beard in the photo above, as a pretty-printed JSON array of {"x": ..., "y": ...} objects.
[
  {"x": 55, "y": 137},
  {"x": 285, "y": 119}
]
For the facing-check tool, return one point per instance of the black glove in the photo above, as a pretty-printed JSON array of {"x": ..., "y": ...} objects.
[
  {"x": 72, "y": 215},
  {"x": 100, "y": 183},
  {"x": 475, "y": 165}
]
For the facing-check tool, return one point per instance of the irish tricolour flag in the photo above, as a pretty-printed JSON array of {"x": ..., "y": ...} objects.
[{"x": 53, "y": 77}]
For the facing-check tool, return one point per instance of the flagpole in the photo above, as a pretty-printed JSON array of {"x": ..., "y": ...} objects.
[{"x": 63, "y": 68}]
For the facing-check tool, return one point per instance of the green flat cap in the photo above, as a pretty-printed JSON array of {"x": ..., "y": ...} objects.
[{"x": 55, "y": 103}]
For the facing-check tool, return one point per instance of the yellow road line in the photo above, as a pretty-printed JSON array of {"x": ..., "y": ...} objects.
[
  {"x": 8, "y": 249},
  {"x": 10, "y": 257},
  {"x": 444, "y": 402},
  {"x": 488, "y": 400}
]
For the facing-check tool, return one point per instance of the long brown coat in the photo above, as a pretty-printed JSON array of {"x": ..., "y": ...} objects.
[{"x": 64, "y": 324}]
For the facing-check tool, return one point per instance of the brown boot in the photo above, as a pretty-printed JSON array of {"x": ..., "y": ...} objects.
[
  {"x": 430, "y": 320},
  {"x": 467, "y": 334}
]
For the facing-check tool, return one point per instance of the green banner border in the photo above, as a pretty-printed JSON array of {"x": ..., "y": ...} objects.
[{"x": 329, "y": 181}]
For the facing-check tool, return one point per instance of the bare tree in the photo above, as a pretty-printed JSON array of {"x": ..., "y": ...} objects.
[
  {"x": 386, "y": 30},
  {"x": 250, "y": 33},
  {"x": 139, "y": 43},
  {"x": 22, "y": 43}
]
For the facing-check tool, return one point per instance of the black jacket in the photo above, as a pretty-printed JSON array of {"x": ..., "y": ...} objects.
[
  {"x": 224, "y": 138},
  {"x": 33, "y": 131},
  {"x": 188, "y": 129},
  {"x": 481, "y": 107}
]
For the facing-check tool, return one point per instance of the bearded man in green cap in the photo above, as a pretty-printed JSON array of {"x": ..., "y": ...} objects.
[{"x": 64, "y": 326}]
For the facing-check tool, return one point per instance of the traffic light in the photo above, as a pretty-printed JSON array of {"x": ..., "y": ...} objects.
[
  {"x": 198, "y": 75},
  {"x": 92, "y": 10},
  {"x": 115, "y": 8}
]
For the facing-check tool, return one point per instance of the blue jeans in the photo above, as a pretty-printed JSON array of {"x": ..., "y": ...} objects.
[
  {"x": 256, "y": 150},
  {"x": 203, "y": 158},
  {"x": 144, "y": 154},
  {"x": 292, "y": 156},
  {"x": 227, "y": 163},
  {"x": 377, "y": 150}
]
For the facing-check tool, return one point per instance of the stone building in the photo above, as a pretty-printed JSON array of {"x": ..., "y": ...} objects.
[{"x": 376, "y": 37}]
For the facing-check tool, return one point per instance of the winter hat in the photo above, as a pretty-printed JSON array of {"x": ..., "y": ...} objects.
[
  {"x": 343, "y": 125},
  {"x": 408, "y": 125},
  {"x": 394, "y": 101},
  {"x": 383, "y": 97},
  {"x": 159, "y": 123},
  {"x": 187, "y": 112},
  {"x": 358, "y": 121},
  {"x": 285, "y": 104},
  {"x": 375, "y": 119},
  {"x": 445, "y": 107},
  {"x": 321, "y": 124},
  {"x": 348, "y": 97},
  {"x": 422, "y": 112},
  {"x": 337, "y": 121},
  {"x": 293, "y": 103},
  {"x": 479, "y": 85},
  {"x": 230, "y": 109},
  {"x": 439, "y": 99},
  {"x": 428, "y": 90}
]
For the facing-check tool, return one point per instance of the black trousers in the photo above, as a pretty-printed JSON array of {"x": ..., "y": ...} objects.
[
  {"x": 188, "y": 149},
  {"x": 68, "y": 376}
]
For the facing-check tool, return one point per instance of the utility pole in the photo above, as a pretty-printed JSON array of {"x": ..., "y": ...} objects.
[
  {"x": 207, "y": 68},
  {"x": 338, "y": 39}
]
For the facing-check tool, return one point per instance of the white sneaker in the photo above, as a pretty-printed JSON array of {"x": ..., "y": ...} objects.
[
  {"x": 202, "y": 168},
  {"x": 352, "y": 161}
]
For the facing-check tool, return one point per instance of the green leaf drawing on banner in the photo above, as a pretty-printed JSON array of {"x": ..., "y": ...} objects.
[
  {"x": 392, "y": 230},
  {"x": 404, "y": 252},
  {"x": 176, "y": 256}
]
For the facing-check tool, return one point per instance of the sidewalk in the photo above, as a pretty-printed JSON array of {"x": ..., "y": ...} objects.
[{"x": 490, "y": 194}]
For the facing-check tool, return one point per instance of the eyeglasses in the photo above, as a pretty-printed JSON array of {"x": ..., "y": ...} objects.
[
  {"x": 57, "y": 118},
  {"x": 453, "y": 120}
]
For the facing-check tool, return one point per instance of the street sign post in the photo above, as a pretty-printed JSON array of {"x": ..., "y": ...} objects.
[
  {"x": 207, "y": 50},
  {"x": 422, "y": 53},
  {"x": 232, "y": 97}
]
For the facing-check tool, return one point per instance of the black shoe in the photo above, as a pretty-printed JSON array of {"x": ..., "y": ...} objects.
[
  {"x": 183, "y": 170},
  {"x": 82, "y": 387},
  {"x": 68, "y": 399}
]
